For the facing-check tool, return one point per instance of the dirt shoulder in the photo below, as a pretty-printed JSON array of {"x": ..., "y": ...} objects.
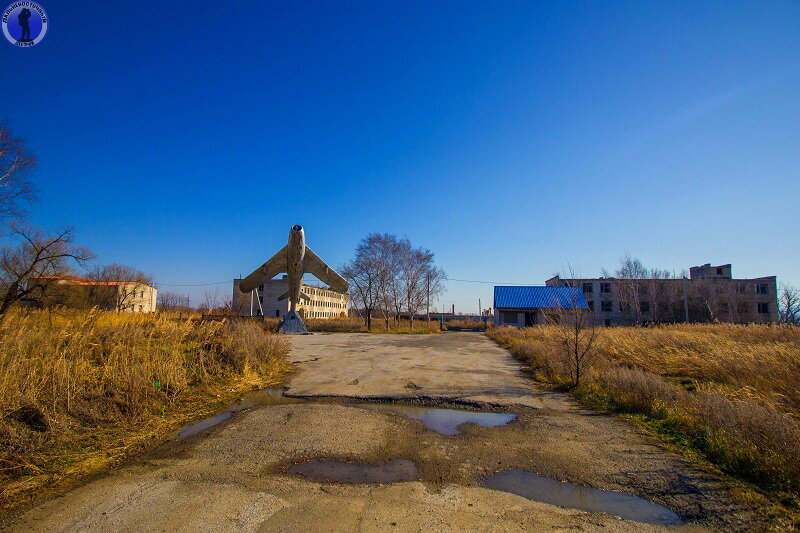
[{"x": 234, "y": 477}]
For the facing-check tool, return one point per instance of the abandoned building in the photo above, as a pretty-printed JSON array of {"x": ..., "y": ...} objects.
[
  {"x": 78, "y": 292},
  {"x": 709, "y": 294},
  {"x": 324, "y": 303}
]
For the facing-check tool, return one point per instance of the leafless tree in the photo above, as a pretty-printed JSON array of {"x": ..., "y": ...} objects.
[
  {"x": 789, "y": 305},
  {"x": 577, "y": 332},
  {"x": 172, "y": 301},
  {"x": 211, "y": 300},
  {"x": 32, "y": 263},
  {"x": 116, "y": 286},
  {"x": 16, "y": 166},
  {"x": 391, "y": 276}
]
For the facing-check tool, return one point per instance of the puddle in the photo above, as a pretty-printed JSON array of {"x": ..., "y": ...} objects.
[
  {"x": 443, "y": 421},
  {"x": 391, "y": 472},
  {"x": 546, "y": 490},
  {"x": 248, "y": 400}
]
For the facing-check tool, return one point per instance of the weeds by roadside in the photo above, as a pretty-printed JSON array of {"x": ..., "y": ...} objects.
[
  {"x": 728, "y": 391},
  {"x": 78, "y": 387}
]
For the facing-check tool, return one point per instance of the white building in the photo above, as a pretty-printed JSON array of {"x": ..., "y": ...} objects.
[{"x": 325, "y": 303}]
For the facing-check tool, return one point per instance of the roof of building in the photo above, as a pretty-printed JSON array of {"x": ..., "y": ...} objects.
[
  {"x": 77, "y": 280},
  {"x": 533, "y": 297}
]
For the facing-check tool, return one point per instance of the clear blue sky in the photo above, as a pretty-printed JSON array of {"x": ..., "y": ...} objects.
[{"x": 511, "y": 138}]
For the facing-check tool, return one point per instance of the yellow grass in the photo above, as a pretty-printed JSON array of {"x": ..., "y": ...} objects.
[
  {"x": 79, "y": 389},
  {"x": 730, "y": 391}
]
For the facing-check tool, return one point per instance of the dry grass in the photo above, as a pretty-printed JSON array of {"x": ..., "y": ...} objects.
[
  {"x": 730, "y": 391},
  {"x": 89, "y": 387},
  {"x": 466, "y": 324}
]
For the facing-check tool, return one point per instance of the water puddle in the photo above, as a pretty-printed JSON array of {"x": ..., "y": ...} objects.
[
  {"x": 251, "y": 399},
  {"x": 443, "y": 421},
  {"x": 546, "y": 490},
  {"x": 391, "y": 472}
]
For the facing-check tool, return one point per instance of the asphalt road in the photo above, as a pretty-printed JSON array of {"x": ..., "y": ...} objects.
[{"x": 235, "y": 476}]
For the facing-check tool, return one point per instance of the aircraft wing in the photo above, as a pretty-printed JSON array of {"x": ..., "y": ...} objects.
[
  {"x": 314, "y": 265},
  {"x": 278, "y": 263}
]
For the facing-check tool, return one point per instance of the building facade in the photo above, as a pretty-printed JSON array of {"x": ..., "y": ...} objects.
[
  {"x": 709, "y": 294},
  {"x": 78, "y": 292},
  {"x": 524, "y": 306},
  {"x": 325, "y": 303}
]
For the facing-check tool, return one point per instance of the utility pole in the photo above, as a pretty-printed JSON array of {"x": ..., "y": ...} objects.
[
  {"x": 480, "y": 310},
  {"x": 685, "y": 303},
  {"x": 428, "y": 307}
]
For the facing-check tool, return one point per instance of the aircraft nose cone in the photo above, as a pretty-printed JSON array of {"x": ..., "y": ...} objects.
[{"x": 297, "y": 227}]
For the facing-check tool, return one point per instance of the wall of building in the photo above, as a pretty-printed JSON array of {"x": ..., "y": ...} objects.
[
  {"x": 324, "y": 303},
  {"x": 708, "y": 297},
  {"x": 138, "y": 298}
]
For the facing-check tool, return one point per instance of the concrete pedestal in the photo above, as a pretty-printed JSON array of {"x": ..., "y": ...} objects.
[{"x": 292, "y": 324}]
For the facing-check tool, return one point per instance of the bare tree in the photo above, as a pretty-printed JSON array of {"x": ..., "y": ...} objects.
[
  {"x": 33, "y": 266},
  {"x": 416, "y": 265},
  {"x": 389, "y": 275},
  {"x": 577, "y": 333},
  {"x": 16, "y": 166},
  {"x": 115, "y": 286},
  {"x": 789, "y": 305},
  {"x": 211, "y": 300},
  {"x": 172, "y": 301}
]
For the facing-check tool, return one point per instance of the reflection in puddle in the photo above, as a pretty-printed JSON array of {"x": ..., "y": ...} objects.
[
  {"x": 542, "y": 489},
  {"x": 249, "y": 399},
  {"x": 391, "y": 472},
  {"x": 444, "y": 421}
]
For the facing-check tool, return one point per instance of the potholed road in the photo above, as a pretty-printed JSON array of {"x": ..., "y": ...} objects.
[{"x": 235, "y": 476}]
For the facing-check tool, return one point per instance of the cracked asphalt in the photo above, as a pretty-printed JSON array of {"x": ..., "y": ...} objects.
[{"x": 235, "y": 476}]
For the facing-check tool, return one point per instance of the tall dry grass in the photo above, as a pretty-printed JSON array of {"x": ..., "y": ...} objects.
[
  {"x": 75, "y": 384},
  {"x": 731, "y": 391}
]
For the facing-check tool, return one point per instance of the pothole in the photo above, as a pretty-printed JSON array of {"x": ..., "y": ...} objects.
[
  {"x": 546, "y": 490},
  {"x": 249, "y": 400},
  {"x": 443, "y": 421},
  {"x": 334, "y": 471}
]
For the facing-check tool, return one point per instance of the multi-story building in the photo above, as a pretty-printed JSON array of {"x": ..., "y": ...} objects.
[
  {"x": 75, "y": 291},
  {"x": 324, "y": 303},
  {"x": 710, "y": 293}
]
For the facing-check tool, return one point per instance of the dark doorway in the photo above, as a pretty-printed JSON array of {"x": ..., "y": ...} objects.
[{"x": 530, "y": 318}]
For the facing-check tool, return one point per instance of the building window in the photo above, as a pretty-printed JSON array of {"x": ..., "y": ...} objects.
[
  {"x": 591, "y": 304},
  {"x": 277, "y": 312},
  {"x": 509, "y": 317},
  {"x": 763, "y": 307},
  {"x": 605, "y": 288},
  {"x": 607, "y": 307},
  {"x": 762, "y": 288},
  {"x": 742, "y": 288},
  {"x": 261, "y": 287},
  {"x": 261, "y": 299},
  {"x": 644, "y": 307},
  {"x": 141, "y": 309},
  {"x": 588, "y": 287},
  {"x": 719, "y": 271}
]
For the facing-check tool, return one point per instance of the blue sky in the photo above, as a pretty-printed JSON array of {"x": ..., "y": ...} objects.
[{"x": 514, "y": 139}]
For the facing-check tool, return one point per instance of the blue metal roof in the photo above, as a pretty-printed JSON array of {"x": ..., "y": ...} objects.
[{"x": 530, "y": 297}]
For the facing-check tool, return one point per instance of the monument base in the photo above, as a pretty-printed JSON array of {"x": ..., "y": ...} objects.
[{"x": 292, "y": 324}]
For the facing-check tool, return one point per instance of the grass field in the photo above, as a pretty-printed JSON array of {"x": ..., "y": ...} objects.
[
  {"x": 80, "y": 390},
  {"x": 729, "y": 392}
]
